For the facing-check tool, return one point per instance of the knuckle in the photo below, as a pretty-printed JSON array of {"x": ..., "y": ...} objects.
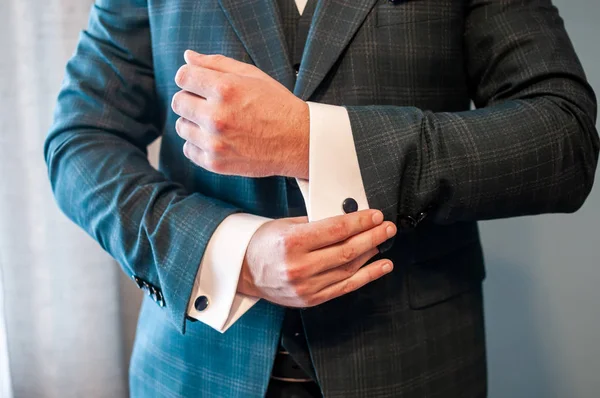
[
  {"x": 179, "y": 126},
  {"x": 280, "y": 242},
  {"x": 303, "y": 291},
  {"x": 225, "y": 88},
  {"x": 290, "y": 242},
  {"x": 376, "y": 238},
  {"x": 182, "y": 75},
  {"x": 372, "y": 273},
  {"x": 191, "y": 154},
  {"x": 311, "y": 301},
  {"x": 365, "y": 220},
  {"x": 295, "y": 273},
  {"x": 338, "y": 229},
  {"x": 219, "y": 122},
  {"x": 198, "y": 160},
  {"x": 347, "y": 253},
  {"x": 211, "y": 163},
  {"x": 216, "y": 147},
  {"x": 186, "y": 150},
  {"x": 349, "y": 269},
  {"x": 193, "y": 113},
  {"x": 176, "y": 102},
  {"x": 348, "y": 286}
]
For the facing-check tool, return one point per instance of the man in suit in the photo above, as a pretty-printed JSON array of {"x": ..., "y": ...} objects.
[{"x": 353, "y": 113}]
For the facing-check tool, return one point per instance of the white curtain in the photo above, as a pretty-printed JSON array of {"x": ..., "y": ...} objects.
[{"x": 67, "y": 315}]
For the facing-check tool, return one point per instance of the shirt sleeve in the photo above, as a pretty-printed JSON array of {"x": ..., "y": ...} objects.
[
  {"x": 334, "y": 173},
  {"x": 334, "y": 176},
  {"x": 214, "y": 299}
]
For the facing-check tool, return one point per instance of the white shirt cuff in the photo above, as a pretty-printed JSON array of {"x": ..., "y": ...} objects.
[
  {"x": 334, "y": 172},
  {"x": 219, "y": 272}
]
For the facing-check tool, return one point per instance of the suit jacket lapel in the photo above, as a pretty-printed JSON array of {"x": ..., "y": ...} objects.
[
  {"x": 334, "y": 24},
  {"x": 258, "y": 25}
]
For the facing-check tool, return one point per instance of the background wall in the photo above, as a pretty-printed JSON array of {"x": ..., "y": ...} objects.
[{"x": 543, "y": 286}]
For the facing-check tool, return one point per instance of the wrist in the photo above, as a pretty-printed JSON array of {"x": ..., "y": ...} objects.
[
  {"x": 295, "y": 164},
  {"x": 245, "y": 282}
]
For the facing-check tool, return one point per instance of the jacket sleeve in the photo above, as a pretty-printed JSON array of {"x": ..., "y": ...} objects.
[
  {"x": 96, "y": 155},
  {"x": 530, "y": 146}
]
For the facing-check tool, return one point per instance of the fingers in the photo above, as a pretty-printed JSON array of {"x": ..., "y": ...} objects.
[
  {"x": 213, "y": 75},
  {"x": 193, "y": 153},
  {"x": 200, "y": 137},
  {"x": 205, "y": 82},
  {"x": 192, "y": 107},
  {"x": 222, "y": 63},
  {"x": 332, "y": 230},
  {"x": 337, "y": 274},
  {"x": 347, "y": 251},
  {"x": 189, "y": 131},
  {"x": 363, "y": 276}
]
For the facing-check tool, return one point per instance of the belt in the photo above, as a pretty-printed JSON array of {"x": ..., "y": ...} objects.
[
  {"x": 292, "y": 362},
  {"x": 282, "y": 389},
  {"x": 285, "y": 368}
]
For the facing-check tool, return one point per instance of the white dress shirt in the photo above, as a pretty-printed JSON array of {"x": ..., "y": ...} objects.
[{"x": 329, "y": 184}]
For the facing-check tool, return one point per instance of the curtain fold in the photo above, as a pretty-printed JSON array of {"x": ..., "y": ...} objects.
[{"x": 68, "y": 315}]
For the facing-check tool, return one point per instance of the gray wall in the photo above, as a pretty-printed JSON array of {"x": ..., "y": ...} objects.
[{"x": 543, "y": 286}]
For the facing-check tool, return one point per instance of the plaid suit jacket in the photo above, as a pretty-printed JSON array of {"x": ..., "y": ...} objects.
[{"x": 407, "y": 72}]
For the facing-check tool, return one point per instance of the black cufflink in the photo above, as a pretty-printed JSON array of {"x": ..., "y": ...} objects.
[
  {"x": 201, "y": 303},
  {"x": 349, "y": 205}
]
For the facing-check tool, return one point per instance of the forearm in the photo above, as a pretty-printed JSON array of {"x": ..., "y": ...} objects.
[
  {"x": 531, "y": 146},
  {"x": 106, "y": 115},
  {"x": 156, "y": 230},
  {"x": 520, "y": 157}
]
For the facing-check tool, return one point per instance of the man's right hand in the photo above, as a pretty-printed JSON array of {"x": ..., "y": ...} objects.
[{"x": 294, "y": 263}]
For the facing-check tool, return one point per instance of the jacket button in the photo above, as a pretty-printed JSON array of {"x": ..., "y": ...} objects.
[
  {"x": 201, "y": 303},
  {"x": 349, "y": 205},
  {"x": 153, "y": 293},
  {"x": 160, "y": 300}
]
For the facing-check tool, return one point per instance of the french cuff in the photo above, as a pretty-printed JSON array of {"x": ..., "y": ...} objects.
[
  {"x": 334, "y": 181},
  {"x": 214, "y": 299}
]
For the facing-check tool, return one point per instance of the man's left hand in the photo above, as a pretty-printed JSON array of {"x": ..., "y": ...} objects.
[{"x": 237, "y": 120}]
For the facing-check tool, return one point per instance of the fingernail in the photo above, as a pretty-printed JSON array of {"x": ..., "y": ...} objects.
[
  {"x": 387, "y": 267},
  {"x": 391, "y": 231},
  {"x": 378, "y": 217}
]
